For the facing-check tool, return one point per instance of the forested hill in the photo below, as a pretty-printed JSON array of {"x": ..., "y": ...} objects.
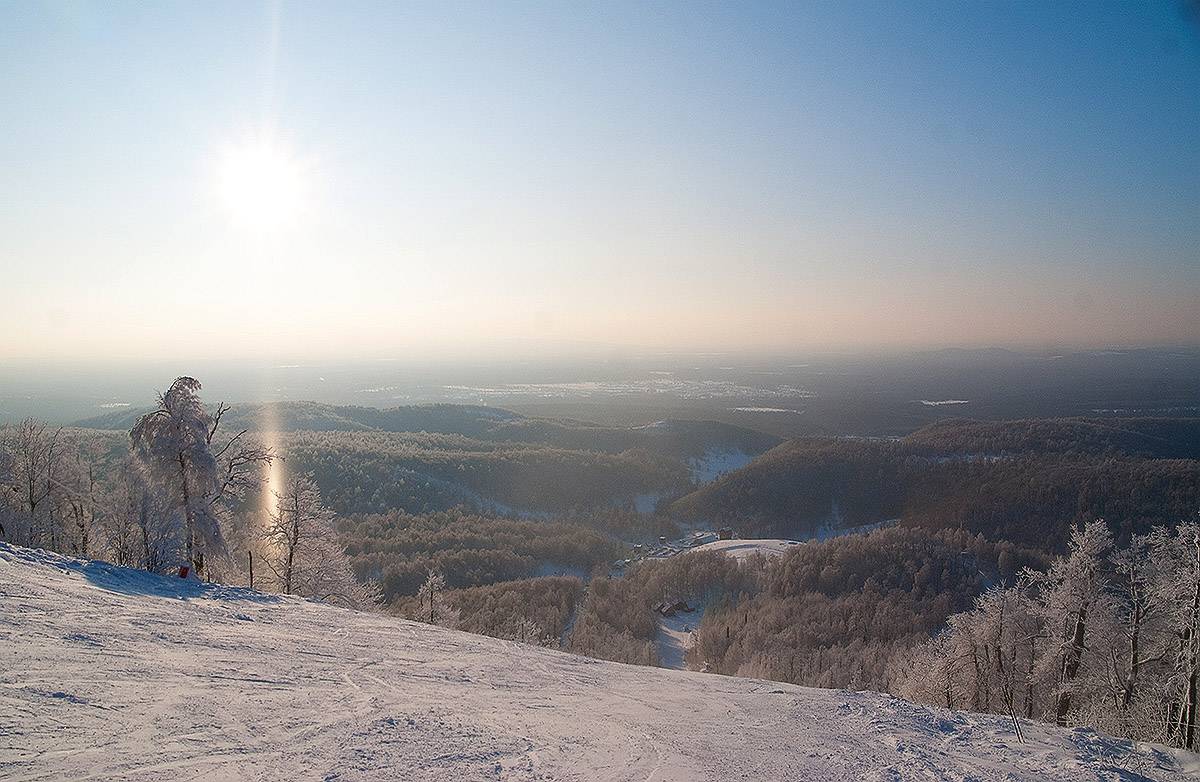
[
  {"x": 676, "y": 438},
  {"x": 1024, "y": 481},
  {"x": 426, "y": 458},
  {"x": 1160, "y": 438}
]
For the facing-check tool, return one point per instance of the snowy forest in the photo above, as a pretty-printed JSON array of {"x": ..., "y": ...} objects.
[
  {"x": 1107, "y": 636},
  {"x": 956, "y": 607},
  {"x": 175, "y": 499}
]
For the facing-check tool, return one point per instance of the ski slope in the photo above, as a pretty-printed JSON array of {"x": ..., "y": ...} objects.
[{"x": 109, "y": 674}]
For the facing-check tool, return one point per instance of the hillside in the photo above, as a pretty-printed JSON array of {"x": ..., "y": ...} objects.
[
  {"x": 1025, "y": 481},
  {"x": 183, "y": 680},
  {"x": 1159, "y": 438},
  {"x": 425, "y": 458},
  {"x": 374, "y": 472}
]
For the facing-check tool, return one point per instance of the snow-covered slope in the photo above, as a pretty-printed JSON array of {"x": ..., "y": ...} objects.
[
  {"x": 109, "y": 674},
  {"x": 745, "y": 547}
]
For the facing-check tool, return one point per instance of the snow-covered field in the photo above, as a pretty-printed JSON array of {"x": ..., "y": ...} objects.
[
  {"x": 716, "y": 462},
  {"x": 112, "y": 674},
  {"x": 742, "y": 548}
]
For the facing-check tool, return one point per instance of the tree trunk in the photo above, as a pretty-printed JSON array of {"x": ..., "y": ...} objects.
[
  {"x": 1029, "y": 680},
  {"x": 189, "y": 532},
  {"x": 1134, "y": 663},
  {"x": 1188, "y": 726},
  {"x": 144, "y": 523},
  {"x": 1070, "y": 669},
  {"x": 1189, "y": 712},
  {"x": 293, "y": 542}
]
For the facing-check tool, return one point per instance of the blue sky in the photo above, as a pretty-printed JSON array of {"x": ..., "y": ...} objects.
[{"x": 684, "y": 176}]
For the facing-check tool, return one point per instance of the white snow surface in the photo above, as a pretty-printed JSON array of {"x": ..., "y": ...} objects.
[
  {"x": 742, "y": 548},
  {"x": 675, "y": 638},
  {"x": 716, "y": 462},
  {"x": 107, "y": 674}
]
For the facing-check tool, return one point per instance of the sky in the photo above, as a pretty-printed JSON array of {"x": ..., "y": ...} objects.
[{"x": 407, "y": 179}]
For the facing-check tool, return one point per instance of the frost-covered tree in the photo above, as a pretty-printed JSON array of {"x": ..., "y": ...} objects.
[
  {"x": 929, "y": 673},
  {"x": 175, "y": 444},
  {"x": 1109, "y": 638},
  {"x": 1006, "y": 636},
  {"x": 1178, "y": 556},
  {"x": 1070, "y": 597},
  {"x": 1139, "y": 601},
  {"x": 984, "y": 660},
  {"x": 121, "y": 537},
  {"x": 33, "y": 457},
  {"x": 82, "y": 499},
  {"x": 298, "y": 521},
  {"x": 8, "y": 490},
  {"x": 303, "y": 553},
  {"x": 432, "y": 606}
]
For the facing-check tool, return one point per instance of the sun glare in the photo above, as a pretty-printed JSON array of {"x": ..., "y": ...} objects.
[{"x": 261, "y": 184}]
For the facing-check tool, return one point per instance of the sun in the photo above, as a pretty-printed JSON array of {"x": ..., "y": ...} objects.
[{"x": 261, "y": 184}]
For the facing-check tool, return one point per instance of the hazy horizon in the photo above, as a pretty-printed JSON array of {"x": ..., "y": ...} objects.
[
  {"x": 842, "y": 392},
  {"x": 279, "y": 182}
]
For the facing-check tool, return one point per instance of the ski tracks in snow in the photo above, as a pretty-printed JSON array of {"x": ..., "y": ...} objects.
[{"x": 111, "y": 674}]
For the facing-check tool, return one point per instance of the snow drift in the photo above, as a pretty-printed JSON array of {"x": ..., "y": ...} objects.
[{"x": 108, "y": 673}]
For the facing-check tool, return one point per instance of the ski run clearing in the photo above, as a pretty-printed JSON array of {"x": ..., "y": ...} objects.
[{"x": 108, "y": 674}]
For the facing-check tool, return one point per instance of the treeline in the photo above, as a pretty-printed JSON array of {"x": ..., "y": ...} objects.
[
  {"x": 73, "y": 491},
  {"x": 1028, "y": 482},
  {"x": 399, "y": 550},
  {"x": 1107, "y": 636},
  {"x": 1154, "y": 438},
  {"x": 173, "y": 495}
]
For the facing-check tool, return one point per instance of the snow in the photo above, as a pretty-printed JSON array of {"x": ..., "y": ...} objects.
[
  {"x": 646, "y": 503},
  {"x": 716, "y": 462},
  {"x": 742, "y": 548},
  {"x": 675, "y": 638},
  {"x": 108, "y": 673}
]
